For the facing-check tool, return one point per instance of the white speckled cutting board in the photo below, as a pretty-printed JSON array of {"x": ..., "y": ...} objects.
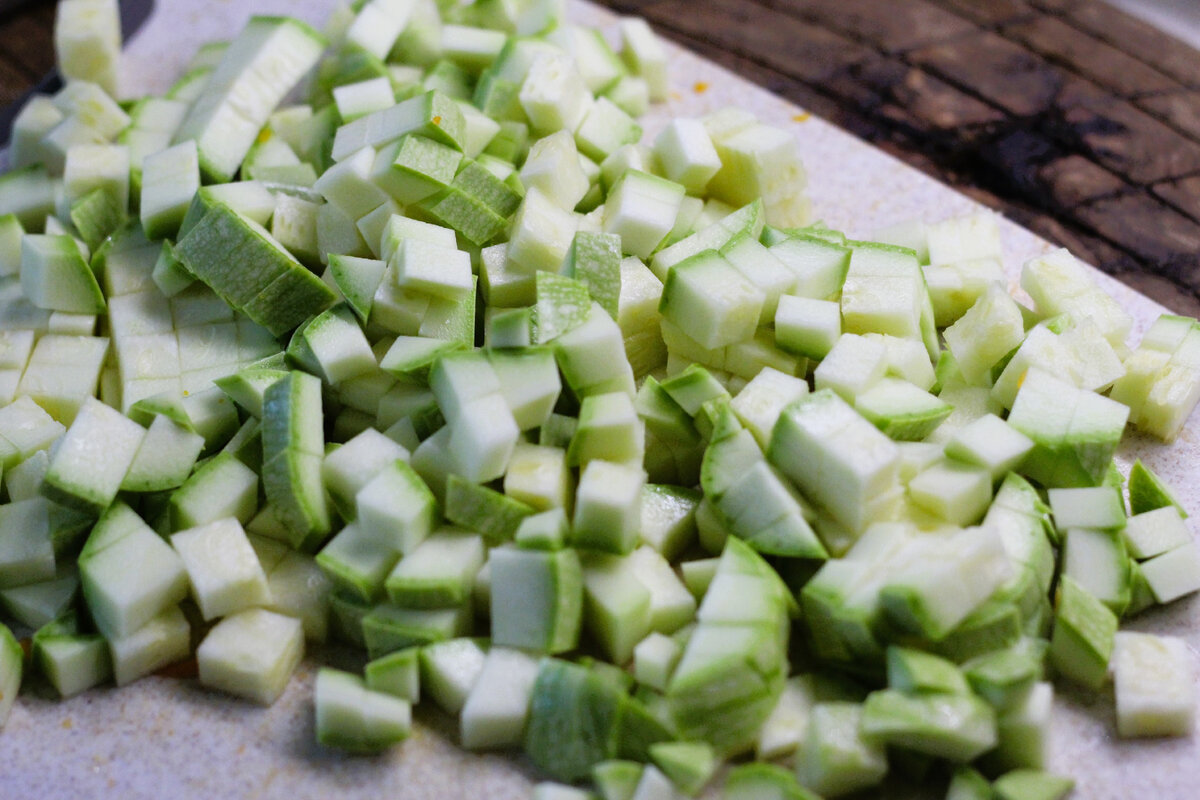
[{"x": 168, "y": 738}]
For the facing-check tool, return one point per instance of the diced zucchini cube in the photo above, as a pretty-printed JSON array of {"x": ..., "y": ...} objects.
[
  {"x": 56, "y": 276},
  {"x": 458, "y": 379},
  {"x": 351, "y": 717},
  {"x": 916, "y": 671},
  {"x": 449, "y": 670},
  {"x": 592, "y": 356},
  {"x": 252, "y": 654},
  {"x": 169, "y": 179},
  {"x": 710, "y": 301},
  {"x": 530, "y": 384},
  {"x": 807, "y": 326},
  {"x": 1097, "y": 561},
  {"x": 1093, "y": 507},
  {"x": 989, "y": 442},
  {"x": 539, "y": 476},
  {"x": 536, "y": 598},
  {"x": 357, "y": 561},
  {"x": 548, "y": 530},
  {"x": 957, "y": 727},
  {"x": 990, "y": 330},
  {"x": 901, "y": 410},
  {"x": 1024, "y": 730},
  {"x": 645, "y": 54},
  {"x": 1083, "y": 635},
  {"x": 609, "y": 429},
  {"x": 438, "y": 573},
  {"x": 163, "y": 640},
  {"x": 26, "y": 546},
  {"x": 846, "y": 461},
  {"x": 1148, "y": 491},
  {"x": 605, "y": 128},
  {"x": 336, "y": 344},
  {"x": 1152, "y": 680},
  {"x": 12, "y": 662},
  {"x": 397, "y": 674},
  {"x": 956, "y": 492},
  {"x": 222, "y": 568},
  {"x": 122, "y": 601},
  {"x": 783, "y": 732},
  {"x": 608, "y": 506},
  {"x": 93, "y": 457},
  {"x": 497, "y": 706},
  {"x": 354, "y": 100},
  {"x": 553, "y": 94},
  {"x": 836, "y": 757},
  {"x": 397, "y": 504},
  {"x": 37, "y": 604},
  {"x": 553, "y": 168},
  {"x": 1174, "y": 573},
  {"x": 1151, "y": 533},
  {"x": 429, "y": 268},
  {"x": 641, "y": 208},
  {"x": 1031, "y": 784},
  {"x": 654, "y": 659},
  {"x": 686, "y": 153},
  {"x": 671, "y": 605},
  {"x": 350, "y": 467},
  {"x": 616, "y": 605},
  {"x": 71, "y": 661},
  {"x": 223, "y": 487},
  {"x": 541, "y": 234}
]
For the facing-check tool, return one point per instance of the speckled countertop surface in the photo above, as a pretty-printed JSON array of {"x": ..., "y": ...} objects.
[{"x": 165, "y": 737}]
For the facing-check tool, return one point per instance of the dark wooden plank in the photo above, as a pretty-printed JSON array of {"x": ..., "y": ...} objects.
[
  {"x": 1053, "y": 6},
  {"x": 25, "y": 43},
  {"x": 1162, "y": 290},
  {"x": 1090, "y": 57},
  {"x": 998, "y": 70},
  {"x": 13, "y": 83},
  {"x": 802, "y": 94},
  {"x": 1086, "y": 246},
  {"x": 902, "y": 26},
  {"x": 1180, "y": 110},
  {"x": 1123, "y": 138},
  {"x": 1138, "y": 38},
  {"x": 930, "y": 104},
  {"x": 1153, "y": 233},
  {"x": 1183, "y": 194},
  {"x": 991, "y": 12},
  {"x": 912, "y": 97},
  {"x": 1073, "y": 179},
  {"x": 780, "y": 41}
]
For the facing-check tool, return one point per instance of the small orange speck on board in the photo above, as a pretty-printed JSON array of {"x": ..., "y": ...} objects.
[
  {"x": 437, "y": 120},
  {"x": 241, "y": 749},
  {"x": 803, "y": 116},
  {"x": 700, "y": 87},
  {"x": 67, "y": 724},
  {"x": 676, "y": 96}
]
